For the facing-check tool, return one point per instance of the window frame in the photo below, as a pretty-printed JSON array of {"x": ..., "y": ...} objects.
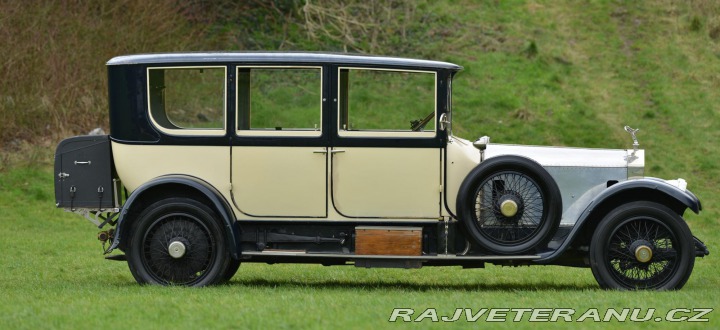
[
  {"x": 316, "y": 133},
  {"x": 342, "y": 133},
  {"x": 189, "y": 131}
]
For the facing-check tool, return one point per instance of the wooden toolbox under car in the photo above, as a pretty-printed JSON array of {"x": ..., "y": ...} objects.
[{"x": 378, "y": 240}]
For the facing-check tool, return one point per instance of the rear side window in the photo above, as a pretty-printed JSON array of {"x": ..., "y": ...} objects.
[
  {"x": 187, "y": 100},
  {"x": 279, "y": 101}
]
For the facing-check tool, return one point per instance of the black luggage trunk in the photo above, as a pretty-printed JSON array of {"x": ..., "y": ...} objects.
[{"x": 84, "y": 173}]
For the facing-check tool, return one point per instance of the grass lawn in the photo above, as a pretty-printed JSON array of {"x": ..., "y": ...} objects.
[
  {"x": 55, "y": 276},
  {"x": 536, "y": 72}
]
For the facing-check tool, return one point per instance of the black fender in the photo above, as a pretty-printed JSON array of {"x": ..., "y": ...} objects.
[
  {"x": 213, "y": 195},
  {"x": 653, "y": 188}
]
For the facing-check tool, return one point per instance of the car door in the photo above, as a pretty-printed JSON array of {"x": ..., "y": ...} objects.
[
  {"x": 279, "y": 157},
  {"x": 386, "y": 153}
]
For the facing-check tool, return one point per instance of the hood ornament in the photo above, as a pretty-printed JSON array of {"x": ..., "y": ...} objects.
[{"x": 632, "y": 132}]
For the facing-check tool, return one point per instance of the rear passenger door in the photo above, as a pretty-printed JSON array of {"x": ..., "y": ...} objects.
[
  {"x": 386, "y": 152},
  {"x": 279, "y": 153}
]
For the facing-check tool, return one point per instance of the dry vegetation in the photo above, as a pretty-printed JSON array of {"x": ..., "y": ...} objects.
[
  {"x": 53, "y": 74},
  {"x": 363, "y": 26}
]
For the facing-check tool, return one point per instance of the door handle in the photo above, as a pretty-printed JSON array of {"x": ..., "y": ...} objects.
[{"x": 325, "y": 151}]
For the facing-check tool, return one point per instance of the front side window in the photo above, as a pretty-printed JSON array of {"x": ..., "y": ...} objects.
[
  {"x": 384, "y": 102},
  {"x": 187, "y": 100},
  {"x": 279, "y": 101}
]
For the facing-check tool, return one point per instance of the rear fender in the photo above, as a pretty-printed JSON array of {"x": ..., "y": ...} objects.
[{"x": 191, "y": 185}]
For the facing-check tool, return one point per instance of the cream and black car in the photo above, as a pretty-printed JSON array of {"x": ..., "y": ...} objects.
[{"x": 217, "y": 159}]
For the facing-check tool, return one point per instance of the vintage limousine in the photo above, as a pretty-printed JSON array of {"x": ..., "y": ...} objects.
[{"x": 215, "y": 159}]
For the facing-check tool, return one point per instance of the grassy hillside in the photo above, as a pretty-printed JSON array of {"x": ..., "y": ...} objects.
[{"x": 566, "y": 73}]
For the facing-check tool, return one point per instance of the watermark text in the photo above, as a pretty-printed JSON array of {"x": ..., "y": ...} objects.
[{"x": 550, "y": 315}]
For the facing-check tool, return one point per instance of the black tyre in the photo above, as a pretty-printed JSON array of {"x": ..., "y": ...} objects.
[
  {"x": 179, "y": 241},
  {"x": 510, "y": 205},
  {"x": 231, "y": 270},
  {"x": 642, "y": 246}
]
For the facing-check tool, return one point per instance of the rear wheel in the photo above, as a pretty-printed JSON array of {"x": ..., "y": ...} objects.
[
  {"x": 642, "y": 246},
  {"x": 178, "y": 241}
]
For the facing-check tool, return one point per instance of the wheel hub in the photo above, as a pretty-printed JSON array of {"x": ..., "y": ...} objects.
[
  {"x": 643, "y": 253},
  {"x": 642, "y": 250},
  {"x": 508, "y": 208},
  {"x": 176, "y": 249}
]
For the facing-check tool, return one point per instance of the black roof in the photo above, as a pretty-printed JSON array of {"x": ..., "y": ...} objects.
[{"x": 278, "y": 57}]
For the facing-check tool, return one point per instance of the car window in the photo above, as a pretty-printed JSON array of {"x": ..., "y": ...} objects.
[
  {"x": 187, "y": 100},
  {"x": 386, "y": 102},
  {"x": 279, "y": 101}
]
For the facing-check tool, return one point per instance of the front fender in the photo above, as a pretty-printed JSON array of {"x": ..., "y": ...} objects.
[
  {"x": 213, "y": 195},
  {"x": 638, "y": 189},
  {"x": 684, "y": 196}
]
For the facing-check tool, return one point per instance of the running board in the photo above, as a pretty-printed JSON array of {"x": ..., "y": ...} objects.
[{"x": 443, "y": 257}]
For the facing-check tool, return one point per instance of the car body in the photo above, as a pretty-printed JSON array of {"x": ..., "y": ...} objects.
[{"x": 219, "y": 158}]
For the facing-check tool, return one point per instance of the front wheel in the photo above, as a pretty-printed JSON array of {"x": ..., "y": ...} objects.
[
  {"x": 642, "y": 246},
  {"x": 178, "y": 241}
]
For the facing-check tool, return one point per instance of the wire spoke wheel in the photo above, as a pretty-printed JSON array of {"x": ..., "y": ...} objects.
[
  {"x": 642, "y": 246},
  {"x": 626, "y": 267},
  {"x": 510, "y": 205},
  {"x": 196, "y": 238},
  {"x": 508, "y": 187},
  {"x": 179, "y": 241}
]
